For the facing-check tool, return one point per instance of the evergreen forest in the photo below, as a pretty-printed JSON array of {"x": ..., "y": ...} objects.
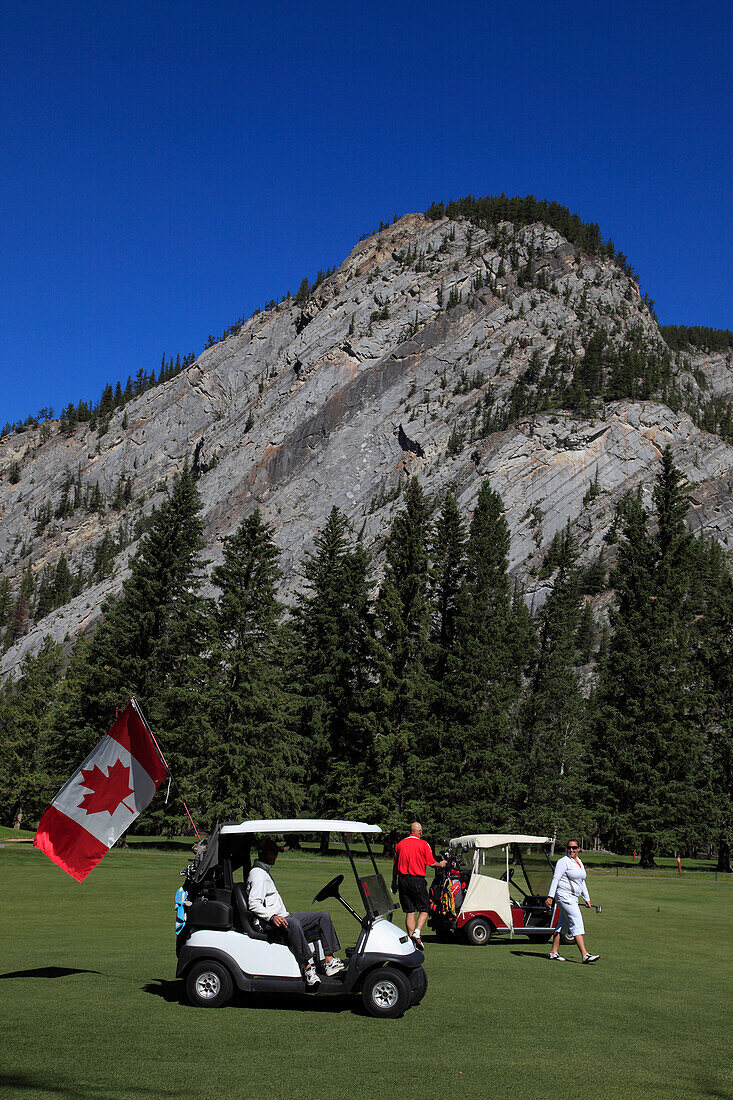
[{"x": 430, "y": 691}]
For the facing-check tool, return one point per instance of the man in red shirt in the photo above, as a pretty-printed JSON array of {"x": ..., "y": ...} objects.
[{"x": 411, "y": 856}]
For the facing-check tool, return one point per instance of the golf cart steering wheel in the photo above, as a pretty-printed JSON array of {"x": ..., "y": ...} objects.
[{"x": 330, "y": 890}]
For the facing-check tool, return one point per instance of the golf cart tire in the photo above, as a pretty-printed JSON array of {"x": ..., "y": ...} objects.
[
  {"x": 209, "y": 984},
  {"x": 386, "y": 993},
  {"x": 478, "y": 931}
]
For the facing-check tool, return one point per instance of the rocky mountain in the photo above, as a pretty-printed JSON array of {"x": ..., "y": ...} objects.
[{"x": 439, "y": 348}]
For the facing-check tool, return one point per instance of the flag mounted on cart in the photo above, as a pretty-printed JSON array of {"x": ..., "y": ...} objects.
[{"x": 102, "y": 799}]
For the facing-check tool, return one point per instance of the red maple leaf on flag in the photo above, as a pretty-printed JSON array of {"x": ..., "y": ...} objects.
[{"x": 108, "y": 791}]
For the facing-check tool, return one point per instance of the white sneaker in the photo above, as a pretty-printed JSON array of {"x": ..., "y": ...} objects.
[
  {"x": 590, "y": 958},
  {"x": 335, "y": 966},
  {"x": 556, "y": 958},
  {"x": 311, "y": 975}
]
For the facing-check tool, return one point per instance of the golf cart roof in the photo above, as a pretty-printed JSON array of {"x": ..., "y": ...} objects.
[
  {"x": 234, "y": 837},
  {"x": 297, "y": 825},
  {"x": 496, "y": 840}
]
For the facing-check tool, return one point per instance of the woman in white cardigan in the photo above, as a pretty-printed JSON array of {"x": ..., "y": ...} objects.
[{"x": 568, "y": 884}]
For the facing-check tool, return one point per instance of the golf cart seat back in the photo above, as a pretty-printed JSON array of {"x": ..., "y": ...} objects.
[{"x": 239, "y": 897}]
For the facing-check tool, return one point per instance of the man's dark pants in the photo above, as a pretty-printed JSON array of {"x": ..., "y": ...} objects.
[{"x": 312, "y": 925}]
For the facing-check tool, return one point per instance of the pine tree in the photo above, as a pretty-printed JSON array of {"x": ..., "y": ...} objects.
[
  {"x": 716, "y": 657},
  {"x": 62, "y": 582},
  {"x": 402, "y": 695},
  {"x": 254, "y": 759},
  {"x": 25, "y": 711},
  {"x": 447, "y": 568},
  {"x": 479, "y": 686},
  {"x": 150, "y": 644},
  {"x": 6, "y": 601},
  {"x": 650, "y": 719},
  {"x": 551, "y": 786},
  {"x": 333, "y": 629}
]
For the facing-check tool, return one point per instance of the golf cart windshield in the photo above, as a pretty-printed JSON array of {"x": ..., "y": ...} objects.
[
  {"x": 229, "y": 847},
  {"x": 519, "y": 859},
  {"x": 536, "y": 868}
]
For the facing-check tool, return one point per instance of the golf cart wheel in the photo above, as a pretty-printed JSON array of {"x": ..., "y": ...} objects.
[
  {"x": 209, "y": 984},
  {"x": 478, "y": 932},
  {"x": 386, "y": 993}
]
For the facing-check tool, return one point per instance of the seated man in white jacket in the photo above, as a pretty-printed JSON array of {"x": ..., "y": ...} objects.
[
  {"x": 264, "y": 901},
  {"x": 568, "y": 884}
]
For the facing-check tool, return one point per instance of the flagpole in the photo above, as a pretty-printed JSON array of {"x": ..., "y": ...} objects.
[{"x": 144, "y": 721}]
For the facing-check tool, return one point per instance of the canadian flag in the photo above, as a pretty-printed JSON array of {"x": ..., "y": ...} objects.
[{"x": 102, "y": 799}]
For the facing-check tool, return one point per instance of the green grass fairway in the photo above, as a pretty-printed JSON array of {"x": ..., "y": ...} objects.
[{"x": 89, "y": 1007}]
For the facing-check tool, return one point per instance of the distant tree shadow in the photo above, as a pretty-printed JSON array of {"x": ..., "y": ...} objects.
[
  {"x": 41, "y": 1085},
  {"x": 47, "y": 972}
]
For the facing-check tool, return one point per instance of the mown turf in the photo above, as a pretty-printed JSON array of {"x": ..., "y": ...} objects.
[{"x": 90, "y": 1008}]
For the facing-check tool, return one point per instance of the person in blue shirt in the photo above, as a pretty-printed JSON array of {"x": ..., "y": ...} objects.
[{"x": 181, "y": 904}]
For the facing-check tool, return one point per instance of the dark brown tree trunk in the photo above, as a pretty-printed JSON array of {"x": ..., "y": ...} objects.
[
  {"x": 325, "y": 838},
  {"x": 646, "y": 858},
  {"x": 724, "y": 857}
]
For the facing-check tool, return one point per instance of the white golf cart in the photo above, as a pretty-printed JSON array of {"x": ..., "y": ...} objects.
[
  {"x": 503, "y": 892},
  {"x": 220, "y": 947}
]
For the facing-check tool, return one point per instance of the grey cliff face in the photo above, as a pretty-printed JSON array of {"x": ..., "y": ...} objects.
[{"x": 385, "y": 372}]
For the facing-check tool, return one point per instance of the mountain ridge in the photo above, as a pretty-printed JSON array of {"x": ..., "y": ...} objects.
[{"x": 404, "y": 360}]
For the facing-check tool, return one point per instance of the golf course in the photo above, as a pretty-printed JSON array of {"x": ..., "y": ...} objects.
[{"x": 91, "y": 1008}]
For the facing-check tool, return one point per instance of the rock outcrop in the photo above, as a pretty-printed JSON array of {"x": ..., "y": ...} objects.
[{"x": 390, "y": 368}]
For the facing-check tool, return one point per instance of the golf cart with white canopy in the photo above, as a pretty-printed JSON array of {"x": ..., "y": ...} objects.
[
  {"x": 502, "y": 893},
  {"x": 220, "y": 946}
]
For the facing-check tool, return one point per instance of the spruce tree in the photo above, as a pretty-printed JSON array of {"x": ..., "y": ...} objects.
[
  {"x": 254, "y": 760},
  {"x": 716, "y": 657},
  {"x": 550, "y": 755},
  {"x": 150, "y": 644},
  {"x": 650, "y": 706},
  {"x": 25, "y": 711},
  {"x": 403, "y": 692},
  {"x": 333, "y": 631},
  {"x": 447, "y": 568},
  {"x": 478, "y": 690}
]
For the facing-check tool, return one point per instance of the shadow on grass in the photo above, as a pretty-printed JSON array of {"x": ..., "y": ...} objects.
[
  {"x": 173, "y": 992},
  {"x": 170, "y": 991},
  {"x": 459, "y": 941},
  {"x": 545, "y": 957},
  {"x": 533, "y": 954},
  {"x": 42, "y": 1085},
  {"x": 47, "y": 972}
]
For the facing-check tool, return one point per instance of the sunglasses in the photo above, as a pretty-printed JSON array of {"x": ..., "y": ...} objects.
[{"x": 572, "y": 847}]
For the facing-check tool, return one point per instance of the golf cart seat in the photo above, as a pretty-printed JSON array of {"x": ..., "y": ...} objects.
[{"x": 239, "y": 898}]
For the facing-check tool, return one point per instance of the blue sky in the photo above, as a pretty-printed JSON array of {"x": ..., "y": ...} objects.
[{"x": 168, "y": 167}]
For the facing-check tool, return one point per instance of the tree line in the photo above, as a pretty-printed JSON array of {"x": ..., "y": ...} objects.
[
  {"x": 433, "y": 694},
  {"x": 97, "y": 414}
]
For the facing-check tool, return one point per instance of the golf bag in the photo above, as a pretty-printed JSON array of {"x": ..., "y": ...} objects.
[{"x": 447, "y": 891}]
